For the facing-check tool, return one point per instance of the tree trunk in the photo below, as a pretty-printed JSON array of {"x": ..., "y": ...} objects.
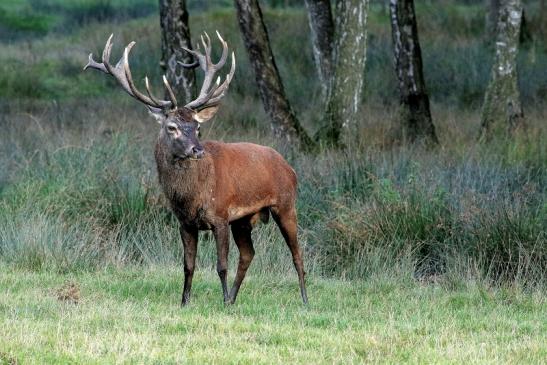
[
  {"x": 322, "y": 33},
  {"x": 285, "y": 126},
  {"x": 502, "y": 98},
  {"x": 492, "y": 16},
  {"x": 347, "y": 80},
  {"x": 175, "y": 34},
  {"x": 415, "y": 118}
]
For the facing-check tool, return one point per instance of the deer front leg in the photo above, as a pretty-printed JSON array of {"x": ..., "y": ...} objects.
[
  {"x": 222, "y": 238},
  {"x": 189, "y": 238}
]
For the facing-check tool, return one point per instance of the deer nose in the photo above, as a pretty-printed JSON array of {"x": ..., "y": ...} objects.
[{"x": 198, "y": 151}]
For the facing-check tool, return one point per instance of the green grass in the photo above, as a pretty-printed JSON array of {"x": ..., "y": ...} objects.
[{"x": 133, "y": 316}]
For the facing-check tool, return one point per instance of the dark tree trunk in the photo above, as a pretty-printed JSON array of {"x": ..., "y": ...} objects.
[
  {"x": 175, "y": 34},
  {"x": 525, "y": 33},
  {"x": 502, "y": 108},
  {"x": 322, "y": 34},
  {"x": 415, "y": 118},
  {"x": 284, "y": 123},
  {"x": 346, "y": 86}
]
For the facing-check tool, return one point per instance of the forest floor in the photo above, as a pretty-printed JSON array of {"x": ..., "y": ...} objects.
[{"x": 133, "y": 316}]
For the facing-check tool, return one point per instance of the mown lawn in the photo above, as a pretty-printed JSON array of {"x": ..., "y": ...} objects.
[{"x": 133, "y": 316}]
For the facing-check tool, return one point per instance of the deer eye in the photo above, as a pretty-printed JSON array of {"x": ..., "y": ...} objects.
[{"x": 171, "y": 128}]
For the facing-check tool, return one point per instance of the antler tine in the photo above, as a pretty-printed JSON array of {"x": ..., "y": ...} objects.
[
  {"x": 91, "y": 63},
  {"x": 194, "y": 64},
  {"x": 149, "y": 92},
  {"x": 217, "y": 90},
  {"x": 207, "y": 47},
  {"x": 229, "y": 76},
  {"x": 116, "y": 71},
  {"x": 189, "y": 65},
  {"x": 213, "y": 90},
  {"x": 106, "y": 53},
  {"x": 122, "y": 73},
  {"x": 170, "y": 92},
  {"x": 129, "y": 78},
  {"x": 224, "y": 55},
  {"x": 200, "y": 58}
]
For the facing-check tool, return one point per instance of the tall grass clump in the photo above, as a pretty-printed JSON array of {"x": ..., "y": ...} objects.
[
  {"x": 93, "y": 200},
  {"x": 428, "y": 213}
]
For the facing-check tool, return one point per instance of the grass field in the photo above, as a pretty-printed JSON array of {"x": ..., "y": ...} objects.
[{"x": 133, "y": 316}]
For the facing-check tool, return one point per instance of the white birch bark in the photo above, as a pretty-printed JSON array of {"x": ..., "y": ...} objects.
[
  {"x": 348, "y": 76},
  {"x": 502, "y": 107}
]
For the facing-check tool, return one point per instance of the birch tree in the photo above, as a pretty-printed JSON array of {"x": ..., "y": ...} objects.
[
  {"x": 284, "y": 123},
  {"x": 415, "y": 115},
  {"x": 322, "y": 34},
  {"x": 347, "y": 78},
  {"x": 502, "y": 107},
  {"x": 175, "y": 34}
]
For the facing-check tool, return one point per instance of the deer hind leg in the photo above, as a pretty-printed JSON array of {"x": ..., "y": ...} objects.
[
  {"x": 242, "y": 237},
  {"x": 222, "y": 239},
  {"x": 286, "y": 220}
]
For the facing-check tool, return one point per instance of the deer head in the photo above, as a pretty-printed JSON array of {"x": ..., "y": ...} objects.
[{"x": 180, "y": 126}]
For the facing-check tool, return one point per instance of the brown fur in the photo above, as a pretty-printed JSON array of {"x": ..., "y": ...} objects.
[
  {"x": 233, "y": 184},
  {"x": 232, "y": 181}
]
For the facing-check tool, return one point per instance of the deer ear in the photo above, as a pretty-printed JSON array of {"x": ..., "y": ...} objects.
[
  {"x": 206, "y": 114},
  {"x": 158, "y": 114}
]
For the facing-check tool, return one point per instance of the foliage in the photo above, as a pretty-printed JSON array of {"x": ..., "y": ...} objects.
[{"x": 31, "y": 18}]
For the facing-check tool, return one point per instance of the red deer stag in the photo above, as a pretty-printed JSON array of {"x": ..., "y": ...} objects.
[{"x": 213, "y": 185}]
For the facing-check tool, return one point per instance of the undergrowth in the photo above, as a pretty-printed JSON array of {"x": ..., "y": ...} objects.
[{"x": 360, "y": 213}]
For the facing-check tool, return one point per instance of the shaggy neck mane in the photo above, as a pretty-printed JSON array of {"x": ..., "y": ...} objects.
[{"x": 183, "y": 181}]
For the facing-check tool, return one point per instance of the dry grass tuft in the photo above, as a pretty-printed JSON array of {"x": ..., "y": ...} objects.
[
  {"x": 7, "y": 359},
  {"x": 69, "y": 292}
]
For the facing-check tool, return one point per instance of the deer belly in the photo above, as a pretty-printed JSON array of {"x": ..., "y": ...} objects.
[{"x": 237, "y": 212}]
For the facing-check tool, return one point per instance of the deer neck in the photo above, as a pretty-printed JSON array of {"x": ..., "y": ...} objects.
[{"x": 185, "y": 183}]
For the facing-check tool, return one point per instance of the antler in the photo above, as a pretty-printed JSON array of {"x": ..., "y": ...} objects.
[
  {"x": 210, "y": 96},
  {"x": 122, "y": 74}
]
